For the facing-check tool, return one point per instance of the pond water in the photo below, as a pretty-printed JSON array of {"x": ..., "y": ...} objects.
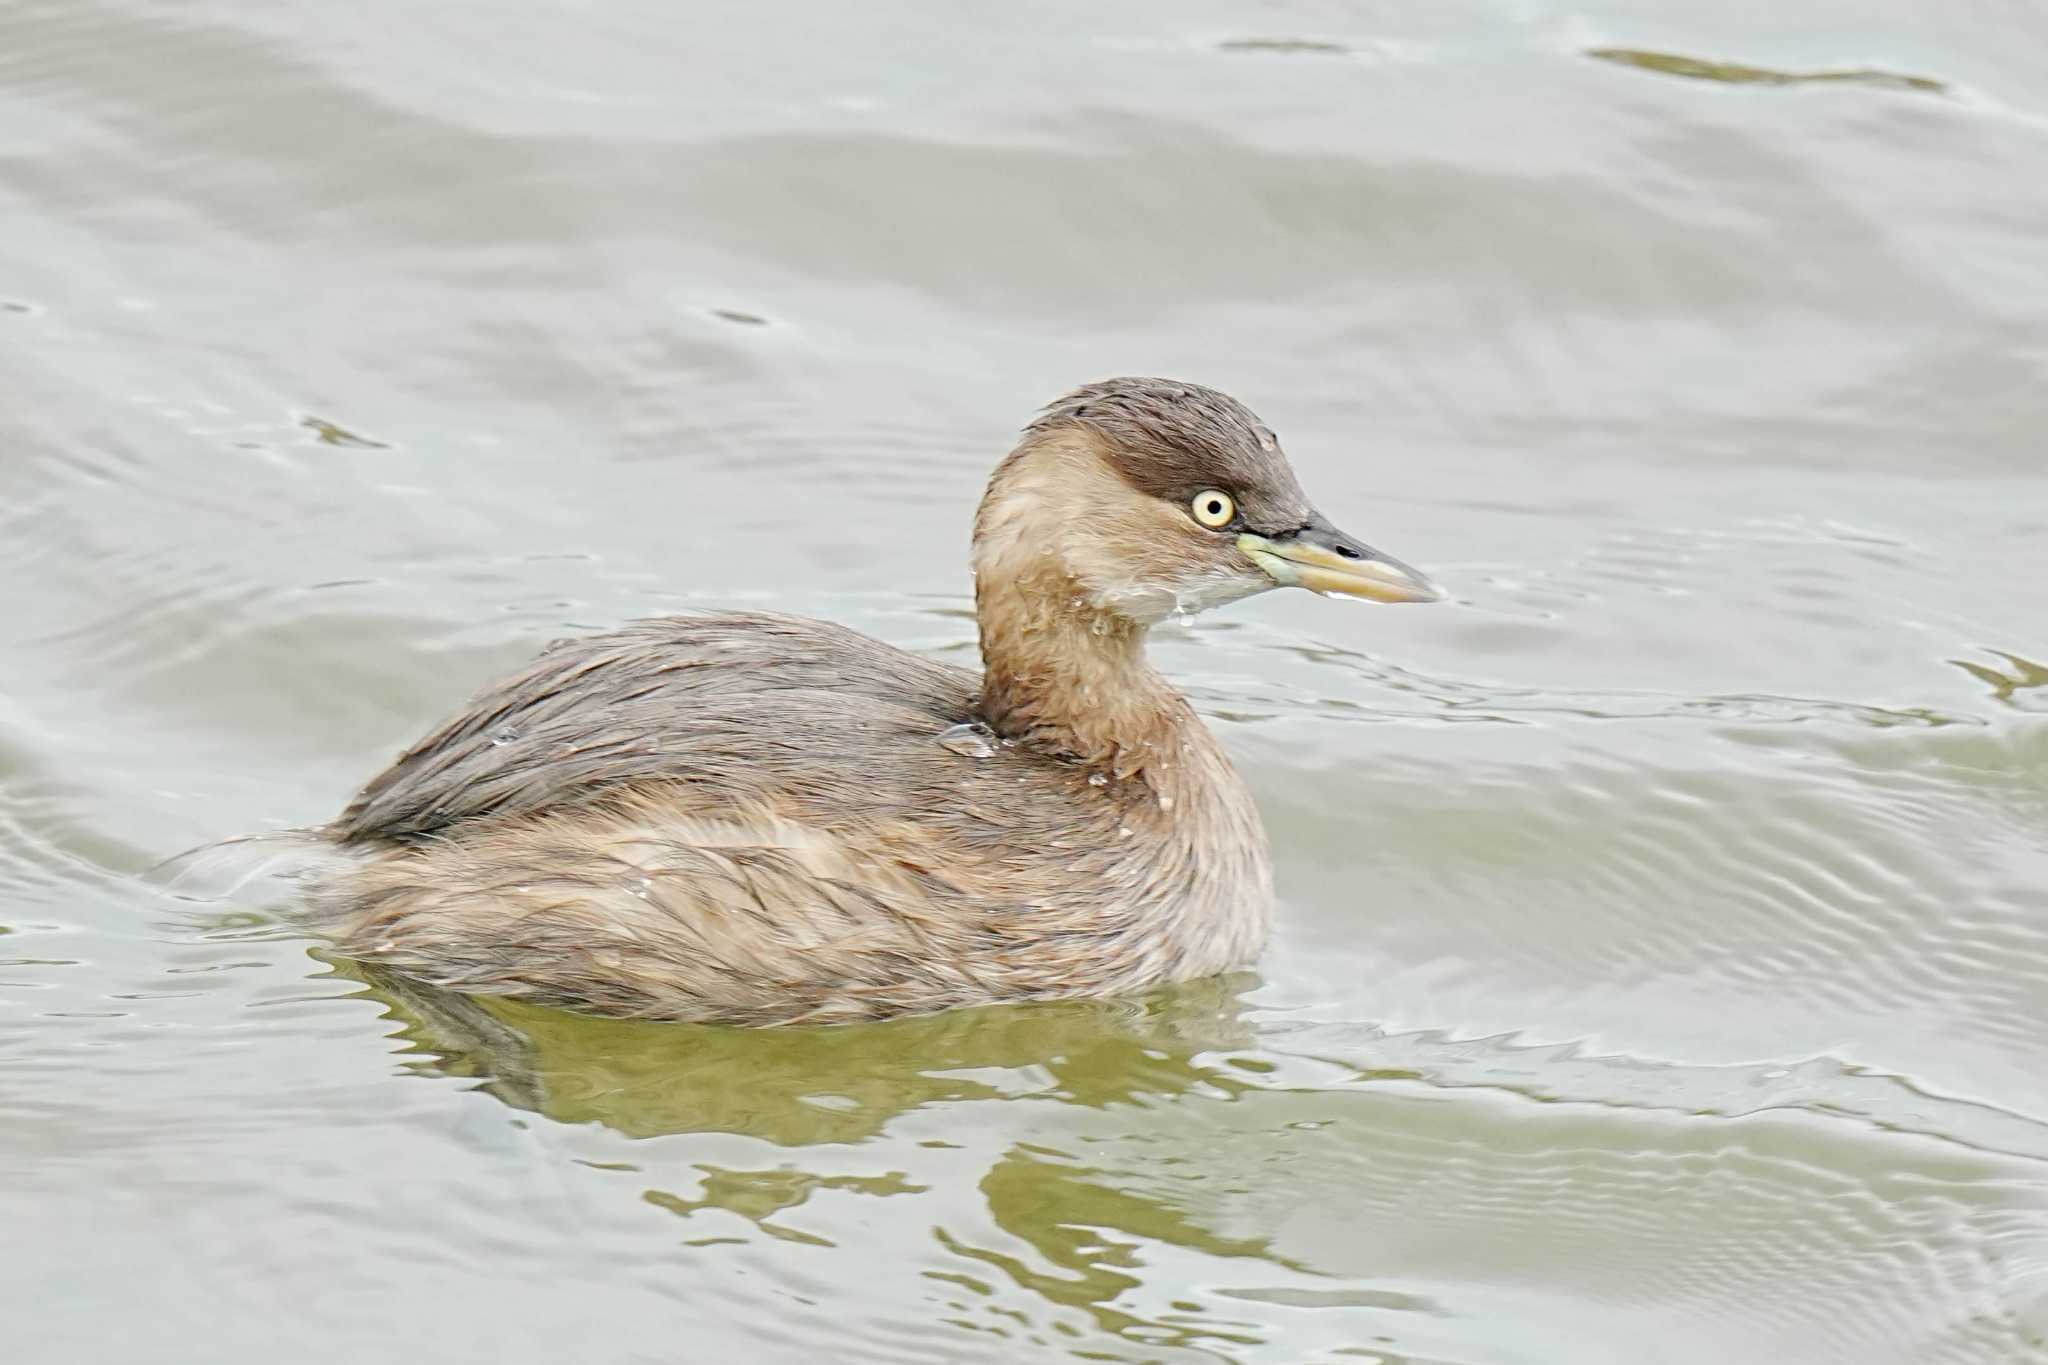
[{"x": 1662, "y": 966}]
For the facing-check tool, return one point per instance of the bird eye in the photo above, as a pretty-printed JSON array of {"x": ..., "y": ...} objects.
[{"x": 1213, "y": 509}]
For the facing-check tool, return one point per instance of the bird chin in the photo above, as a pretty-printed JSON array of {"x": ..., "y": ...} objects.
[{"x": 1153, "y": 603}]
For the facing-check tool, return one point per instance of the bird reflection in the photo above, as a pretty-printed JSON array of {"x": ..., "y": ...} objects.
[{"x": 809, "y": 1085}]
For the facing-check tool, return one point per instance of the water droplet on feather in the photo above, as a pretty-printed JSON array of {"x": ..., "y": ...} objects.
[{"x": 969, "y": 740}]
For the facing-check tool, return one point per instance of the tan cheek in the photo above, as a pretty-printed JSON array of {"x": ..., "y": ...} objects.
[{"x": 1149, "y": 543}]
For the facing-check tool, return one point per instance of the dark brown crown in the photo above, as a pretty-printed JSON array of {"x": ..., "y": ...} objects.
[{"x": 1173, "y": 440}]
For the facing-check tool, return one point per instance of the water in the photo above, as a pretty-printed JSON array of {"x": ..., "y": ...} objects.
[
  {"x": 1662, "y": 969},
  {"x": 970, "y": 739}
]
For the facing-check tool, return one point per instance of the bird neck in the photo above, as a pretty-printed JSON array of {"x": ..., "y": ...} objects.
[{"x": 1066, "y": 677}]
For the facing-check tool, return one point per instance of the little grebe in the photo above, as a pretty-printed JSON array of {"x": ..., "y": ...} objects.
[{"x": 761, "y": 819}]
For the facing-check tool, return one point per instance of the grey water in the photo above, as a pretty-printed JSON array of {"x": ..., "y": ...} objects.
[{"x": 1661, "y": 972}]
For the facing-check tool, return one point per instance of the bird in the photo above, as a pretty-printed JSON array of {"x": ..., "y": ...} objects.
[{"x": 759, "y": 819}]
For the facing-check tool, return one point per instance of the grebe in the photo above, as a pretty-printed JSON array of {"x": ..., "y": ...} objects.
[{"x": 760, "y": 819}]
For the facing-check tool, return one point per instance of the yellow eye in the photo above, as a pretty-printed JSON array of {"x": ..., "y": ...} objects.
[{"x": 1213, "y": 509}]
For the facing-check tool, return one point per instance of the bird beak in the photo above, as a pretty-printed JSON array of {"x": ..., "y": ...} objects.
[{"x": 1323, "y": 559}]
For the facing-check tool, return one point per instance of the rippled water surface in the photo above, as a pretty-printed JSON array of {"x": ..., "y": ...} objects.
[{"x": 1662, "y": 971}]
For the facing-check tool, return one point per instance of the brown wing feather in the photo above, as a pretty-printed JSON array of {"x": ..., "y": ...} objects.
[{"x": 683, "y": 698}]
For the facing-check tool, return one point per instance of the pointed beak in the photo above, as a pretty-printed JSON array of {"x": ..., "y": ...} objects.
[{"x": 1323, "y": 559}]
